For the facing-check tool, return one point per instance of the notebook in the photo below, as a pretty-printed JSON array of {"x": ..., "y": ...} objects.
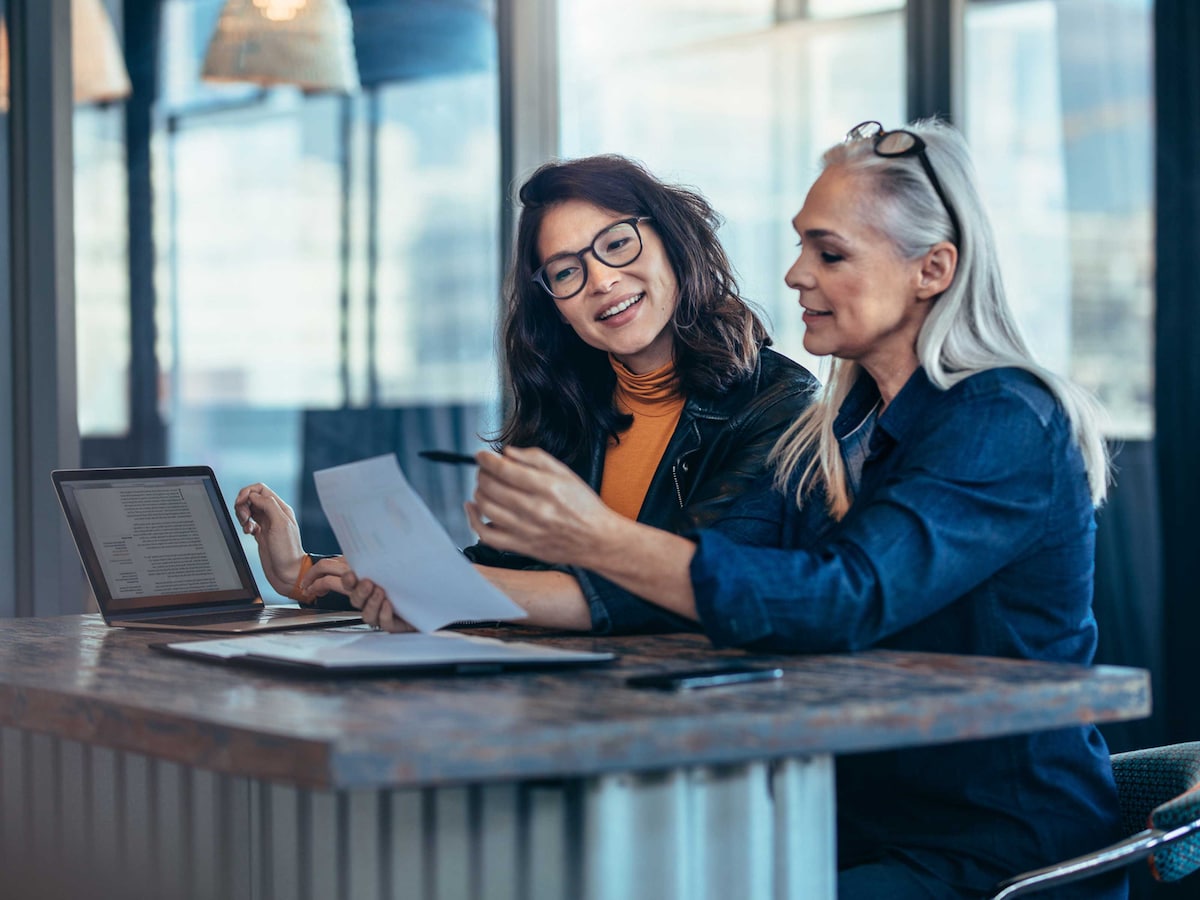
[{"x": 160, "y": 551}]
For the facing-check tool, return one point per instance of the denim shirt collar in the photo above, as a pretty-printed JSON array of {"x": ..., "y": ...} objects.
[{"x": 906, "y": 412}]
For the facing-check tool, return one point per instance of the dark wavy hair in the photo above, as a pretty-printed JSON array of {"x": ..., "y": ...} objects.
[{"x": 562, "y": 387}]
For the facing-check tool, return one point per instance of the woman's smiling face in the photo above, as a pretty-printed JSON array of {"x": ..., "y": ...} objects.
[
  {"x": 627, "y": 311},
  {"x": 860, "y": 297}
]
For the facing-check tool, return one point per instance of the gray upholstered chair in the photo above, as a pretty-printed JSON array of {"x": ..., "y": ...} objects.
[{"x": 1159, "y": 788}]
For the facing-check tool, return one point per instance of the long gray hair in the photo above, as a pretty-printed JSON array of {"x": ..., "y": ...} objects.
[{"x": 969, "y": 329}]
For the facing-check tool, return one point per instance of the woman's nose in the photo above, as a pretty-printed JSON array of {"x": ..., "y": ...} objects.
[
  {"x": 600, "y": 278},
  {"x": 796, "y": 277}
]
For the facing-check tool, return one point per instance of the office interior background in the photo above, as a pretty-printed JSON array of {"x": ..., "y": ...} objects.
[{"x": 269, "y": 280}]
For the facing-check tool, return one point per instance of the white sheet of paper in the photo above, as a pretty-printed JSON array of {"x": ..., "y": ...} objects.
[{"x": 389, "y": 535}]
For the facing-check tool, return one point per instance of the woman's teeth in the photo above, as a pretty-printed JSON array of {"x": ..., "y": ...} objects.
[{"x": 620, "y": 307}]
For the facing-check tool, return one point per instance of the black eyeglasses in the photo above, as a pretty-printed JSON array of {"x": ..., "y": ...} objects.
[
  {"x": 904, "y": 143},
  {"x": 563, "y": 276}
]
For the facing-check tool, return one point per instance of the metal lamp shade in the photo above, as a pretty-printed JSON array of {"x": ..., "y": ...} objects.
[{"x": 308, "y": 43}]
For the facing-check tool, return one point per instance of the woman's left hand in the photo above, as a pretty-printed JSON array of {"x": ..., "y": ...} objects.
[
  {"x": 372, "y": 601},
  {"x": 324, "y": 576},
  {"x": 528, "y": 502}
]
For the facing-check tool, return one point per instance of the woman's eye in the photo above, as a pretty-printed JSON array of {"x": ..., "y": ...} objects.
[
  {"x": 614, "y": 245},
  {"x": 830, "y": 257},
  {"x": 564, "y": 274}
]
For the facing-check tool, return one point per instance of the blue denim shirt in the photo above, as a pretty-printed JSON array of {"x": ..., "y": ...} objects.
[{"x": 972, "y": 532}]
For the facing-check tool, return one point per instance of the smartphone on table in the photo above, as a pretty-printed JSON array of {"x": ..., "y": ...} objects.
[{"x": 710, "y": 676}]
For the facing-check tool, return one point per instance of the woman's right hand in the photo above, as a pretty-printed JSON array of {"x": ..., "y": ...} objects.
[
  {"x": 272, "y": 523},
  {"x": 368, "y": 597}
]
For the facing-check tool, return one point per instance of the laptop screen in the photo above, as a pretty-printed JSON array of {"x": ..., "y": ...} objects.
[{"x": 155, "y": 539}]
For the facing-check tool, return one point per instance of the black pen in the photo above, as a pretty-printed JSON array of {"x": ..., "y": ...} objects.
[{"x": 447, "y": 456}]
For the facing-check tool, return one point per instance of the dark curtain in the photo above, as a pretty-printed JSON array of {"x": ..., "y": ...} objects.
[
  {"x": 1177, "y": 364},
  {"x": 1128, "y": 598}
]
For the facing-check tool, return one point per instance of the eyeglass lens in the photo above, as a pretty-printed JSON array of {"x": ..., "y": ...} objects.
[
  {"x": 616, "y": 247},
  {"x": 896, "y": 143},
  {"x": 863, "y": 130}
]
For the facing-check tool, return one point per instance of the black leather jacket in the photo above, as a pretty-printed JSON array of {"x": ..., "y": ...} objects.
[{"x": 718, "y": 450}]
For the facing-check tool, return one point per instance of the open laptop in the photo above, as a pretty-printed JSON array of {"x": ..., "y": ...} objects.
[{"x": 161, "y": 552}]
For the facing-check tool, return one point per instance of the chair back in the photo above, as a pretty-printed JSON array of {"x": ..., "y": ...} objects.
[
  {"x": 1172, "y": 861},
  {"x": 1146, "y": 779},
  {"x": 1159, "y": 794}
]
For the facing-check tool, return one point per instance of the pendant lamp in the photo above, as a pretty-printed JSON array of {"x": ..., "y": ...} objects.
[
  {"x": 307, "y": 43},
  {"x": 98, "y": 68}
]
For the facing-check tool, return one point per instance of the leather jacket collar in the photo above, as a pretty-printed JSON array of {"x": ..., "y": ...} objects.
[{"x": 705, "y": 430}]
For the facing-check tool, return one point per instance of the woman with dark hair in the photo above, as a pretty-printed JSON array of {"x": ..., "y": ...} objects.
[
  {"x": 563, "y": 378},
  {"x": 632, "y": 359}
]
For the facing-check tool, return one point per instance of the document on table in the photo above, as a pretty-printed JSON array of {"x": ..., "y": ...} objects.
[
  {"x": 351, "y": 649},
  {"x": 389, "y": 535}
]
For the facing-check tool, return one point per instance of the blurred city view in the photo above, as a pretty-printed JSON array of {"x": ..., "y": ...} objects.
[{"x": 323, "y": 253}]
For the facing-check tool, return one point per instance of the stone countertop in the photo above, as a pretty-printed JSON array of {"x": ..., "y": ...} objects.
[{"x": 76, "y": 678}]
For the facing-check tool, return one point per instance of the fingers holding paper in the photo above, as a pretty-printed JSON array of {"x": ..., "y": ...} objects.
[
  {"x": 324, "y": 576},
  {"x": 528, "y": 502},
  {"x": 373, "y": 602}
]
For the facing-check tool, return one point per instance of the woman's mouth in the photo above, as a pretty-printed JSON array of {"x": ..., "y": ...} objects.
[{"x": 618, "y": 308}]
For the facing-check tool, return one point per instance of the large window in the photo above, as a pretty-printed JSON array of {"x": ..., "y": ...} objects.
[
  {"x": 1060, "y": 118},
  {"x": 736, "y": 100},
  {"x": 315, "y": 253},
  {"x": 739, "y": 99},
  {"x": 101, "y": 270}
]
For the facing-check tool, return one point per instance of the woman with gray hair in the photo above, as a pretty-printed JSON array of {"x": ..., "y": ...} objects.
[{"x": 938, "y": 496}]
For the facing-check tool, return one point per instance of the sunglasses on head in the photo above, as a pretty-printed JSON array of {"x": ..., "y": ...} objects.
[{"x": 904, "y": 143}]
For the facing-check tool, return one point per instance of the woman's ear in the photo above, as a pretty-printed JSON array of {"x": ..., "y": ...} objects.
[{"x": 937, "y": 270}]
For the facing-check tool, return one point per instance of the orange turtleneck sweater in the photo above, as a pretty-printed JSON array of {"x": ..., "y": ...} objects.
[{"x": 655, "y": 403}]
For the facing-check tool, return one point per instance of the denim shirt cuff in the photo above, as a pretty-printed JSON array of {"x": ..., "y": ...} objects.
[
  {"x": 601, "y": 621},
  {"x": 730, "y": 611}
]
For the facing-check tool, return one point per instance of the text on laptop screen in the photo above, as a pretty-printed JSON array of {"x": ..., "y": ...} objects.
[{"x": 156, "y": 538}]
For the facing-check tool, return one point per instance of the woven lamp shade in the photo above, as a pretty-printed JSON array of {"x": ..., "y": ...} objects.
[
  {"x": 308, "y": 43},
  {"x": 97, "y": 66}
]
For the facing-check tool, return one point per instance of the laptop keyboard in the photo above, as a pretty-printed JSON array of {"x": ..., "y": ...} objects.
[{"x": 247, "y": 615}]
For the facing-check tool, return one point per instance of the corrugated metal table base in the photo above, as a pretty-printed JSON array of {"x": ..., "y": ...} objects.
[{"x": 82, "y": 821}]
